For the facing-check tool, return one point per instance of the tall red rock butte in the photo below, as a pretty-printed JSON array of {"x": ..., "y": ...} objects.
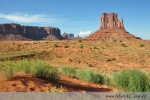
[{"x": 110, "y": 28}]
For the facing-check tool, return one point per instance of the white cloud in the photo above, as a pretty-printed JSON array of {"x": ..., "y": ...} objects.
[
  {"x": 84, "y": 34},
  {"x": 26, "y": 18}
]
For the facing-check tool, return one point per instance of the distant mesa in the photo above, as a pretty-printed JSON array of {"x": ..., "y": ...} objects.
[
  {"x": 110, "y": 28},
  {"x": 67, "y": 35},
  {"x": 70, "y": 36},
  {"x": 19, "y": 32}
]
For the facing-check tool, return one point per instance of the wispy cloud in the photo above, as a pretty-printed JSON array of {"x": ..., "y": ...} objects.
[
  {"x": 29, "y": 18},
  {"x": 84, "y": 34}
]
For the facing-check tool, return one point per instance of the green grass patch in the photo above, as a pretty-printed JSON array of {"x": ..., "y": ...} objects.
[
  {"x": 69, "y": 71},
  {"x": 90, "y": 76},
  {"x": 84, "y": 74},
  {"x": 36, "y": 68},
  {"x": 132, "y": 81}
]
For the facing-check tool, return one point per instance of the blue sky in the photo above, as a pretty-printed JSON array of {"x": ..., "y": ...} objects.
[{"x": 77, "y": 16}]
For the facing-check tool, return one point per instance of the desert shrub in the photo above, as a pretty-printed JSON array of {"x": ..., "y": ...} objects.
[
  {"x": 69, "y": 71},
  {"x": 36, "y": 68},
  {"x": 51, "y": 74},
  {"x": 114, "y": 40},
  {"x": 9, "y": 71},
  {"x": 55, "y": 45},
  {"x": 142, "y": 45},
  {"x": 131, "y": 81},
  {"x": 81, "y": 46},
  {"x": 56, "y": 89},
  {"x": 79, "y": 40},
  {"x": 95, "y": 47},
  {"x": 123, "y": 45},
  {"x": 90, "y": 65},
  {"x": 66, "y": 46},
  {"x": 89, "y": 75},
  {"x": 111, "y": 59}
]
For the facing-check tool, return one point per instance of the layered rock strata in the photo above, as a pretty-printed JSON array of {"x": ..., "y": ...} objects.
[
  {"x": 110, "y": 28},
  {"x": 28, "y": 32}
]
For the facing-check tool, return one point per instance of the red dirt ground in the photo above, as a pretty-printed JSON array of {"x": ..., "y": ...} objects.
[{"x": 30, "y": 84}]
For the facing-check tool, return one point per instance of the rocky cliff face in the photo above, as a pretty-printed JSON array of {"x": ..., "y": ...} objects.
[
  {"x": 71, "y": 36},
  {"x": 110, "y": 21},
  {"x": 67, "y": 35},
  {"x": 110, "y": 28},
  {"x": 29, "y": 32}
]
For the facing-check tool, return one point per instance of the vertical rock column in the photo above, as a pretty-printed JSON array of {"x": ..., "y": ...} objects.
[{"x": 110, "y": 21}]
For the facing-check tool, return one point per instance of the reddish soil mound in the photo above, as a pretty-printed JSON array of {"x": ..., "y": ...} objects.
[
  {"x": 115, "y": 34},
  {"x": 72, "y": 84},
  {"x": 29, "y": 84},
  {"x": 24, "y": 84}
]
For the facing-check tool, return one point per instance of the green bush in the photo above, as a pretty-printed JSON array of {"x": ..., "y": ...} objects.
[
  {"x": 69, "y": 71},
  {"x": 107, "y": 80},
  {"x": 132, "y": 81},
  {"x": 51, "y": 74},
  {"x": 89, "y": 75},
  {"x": 36, "y": 68},
  {"x": 8, "y": 72}
]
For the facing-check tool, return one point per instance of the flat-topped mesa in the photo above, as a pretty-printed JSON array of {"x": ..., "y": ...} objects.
[
  {"x": 110, "y": 21},
  {"x": 20, "y": 32},
  {"x": 110, "y": 28}
]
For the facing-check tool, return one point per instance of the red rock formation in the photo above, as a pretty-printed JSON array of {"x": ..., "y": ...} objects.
[
  {"x": 110, "y": 21},
  {"x": 18, "y": 32},
  {"x": 67, "y": 35},
  {"x": 111, "y": 28}
]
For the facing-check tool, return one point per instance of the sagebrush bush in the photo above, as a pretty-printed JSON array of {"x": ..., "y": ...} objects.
[
  {"x": 66, "y": 46},
  {"x": 123, "y": 45},
  {"x": 142, "y": 45},
  {"x": 81, "y": 46},
  {"x": 69, "y": 71},
  {"x": 56, "y": 45},
  {"x": 111, "y": 59},
  {"x": 132, "y": 81},
  {"x": 89, "y": 75},
  {"x": 36, "y": 68}
]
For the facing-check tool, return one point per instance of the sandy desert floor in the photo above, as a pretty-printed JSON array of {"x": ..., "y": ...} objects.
[{"x": 102, "y": 56}]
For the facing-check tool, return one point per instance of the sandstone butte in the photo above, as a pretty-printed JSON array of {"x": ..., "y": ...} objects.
[
  {"x": 110, "y": 28},
  {"x": 20, "y": 32}
]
